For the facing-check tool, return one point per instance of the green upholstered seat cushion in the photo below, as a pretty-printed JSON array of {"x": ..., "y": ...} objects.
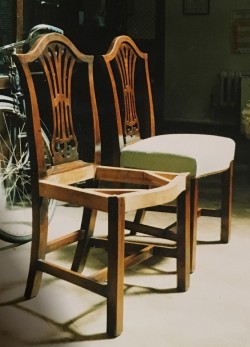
[{"x": 198, "y": 154}]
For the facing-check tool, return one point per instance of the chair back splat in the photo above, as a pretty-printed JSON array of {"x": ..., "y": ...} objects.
[
  {"x": 58, "y": 85},
  {"x": 129, "y": 74}
]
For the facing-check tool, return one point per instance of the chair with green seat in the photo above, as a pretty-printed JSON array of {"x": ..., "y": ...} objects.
[{"x": 136, "y": 146}]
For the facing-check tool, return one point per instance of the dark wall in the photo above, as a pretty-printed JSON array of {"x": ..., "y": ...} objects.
[
  {"x": 84, "y": 22},
  {"x": 8, "y": 26}
]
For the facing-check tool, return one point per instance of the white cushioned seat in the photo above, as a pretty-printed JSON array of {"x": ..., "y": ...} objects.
[{"x": 198, "y": 154}]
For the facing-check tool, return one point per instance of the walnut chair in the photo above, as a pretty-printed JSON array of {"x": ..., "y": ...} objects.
[
  {"x": 58, "y": 84},
  {"x": 136, "y": 146}
]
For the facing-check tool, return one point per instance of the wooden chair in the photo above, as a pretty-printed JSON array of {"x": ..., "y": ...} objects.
[
  {"x": 64, "y": 76},
  {"x": 136, "y": 146}
]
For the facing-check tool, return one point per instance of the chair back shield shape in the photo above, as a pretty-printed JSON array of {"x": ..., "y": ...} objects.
[
  {"x": 129, "y": 72},
  {"x": 58, "y": 61}
]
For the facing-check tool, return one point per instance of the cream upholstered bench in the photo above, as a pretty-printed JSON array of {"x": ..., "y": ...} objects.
[{"x": 201, "y": 155}]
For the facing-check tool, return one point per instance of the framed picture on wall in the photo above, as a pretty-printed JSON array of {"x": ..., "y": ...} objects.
[{"x": 196, "y": 6}]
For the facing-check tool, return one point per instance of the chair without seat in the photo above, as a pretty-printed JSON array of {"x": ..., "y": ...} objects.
[
  {"x": 136, "y": 146},
  {"x": 73, "y": 180}
]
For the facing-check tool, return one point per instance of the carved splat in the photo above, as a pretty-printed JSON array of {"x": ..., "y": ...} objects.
[
  {"x": 126, "y": 60},
  {"x": 58, "y": 63}
]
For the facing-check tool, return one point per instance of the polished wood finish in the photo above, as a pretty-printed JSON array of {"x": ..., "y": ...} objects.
[
  {"x": 19, "y": 20},
  {"x": 128, "y": 71},
  {"x": 113, "y": 190}
]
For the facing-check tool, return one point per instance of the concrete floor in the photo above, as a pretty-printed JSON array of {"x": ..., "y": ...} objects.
[{"x": 215, "y": 312}]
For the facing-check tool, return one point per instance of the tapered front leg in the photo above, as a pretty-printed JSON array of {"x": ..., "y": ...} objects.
[
  {"x": 115, "y": 290},
  {"x": 183, "y": 241}
]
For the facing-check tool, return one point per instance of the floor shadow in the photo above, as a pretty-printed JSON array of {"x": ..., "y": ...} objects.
[{"x": 215, "y": 242}]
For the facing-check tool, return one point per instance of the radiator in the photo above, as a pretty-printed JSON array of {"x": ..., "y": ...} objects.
[{"x": 229, "y": 88}]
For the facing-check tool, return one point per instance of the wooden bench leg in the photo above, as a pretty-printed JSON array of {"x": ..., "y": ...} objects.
[
  {"x": 194, "y": 200},
  {"x": 226, "y": 204}
]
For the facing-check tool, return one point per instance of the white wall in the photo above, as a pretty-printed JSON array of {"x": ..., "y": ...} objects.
[{"x": 197, "y": 48}]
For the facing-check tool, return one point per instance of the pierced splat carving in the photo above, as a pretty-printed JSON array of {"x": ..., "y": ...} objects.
[
  {"x": 126, "y": 60},
  {"x": 58, "y": 63}
]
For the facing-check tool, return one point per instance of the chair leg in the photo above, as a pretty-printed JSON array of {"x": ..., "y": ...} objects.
[
  {"x": 194, "y": 202},
  {"x": 226, "y": 204},
  {"x": 183, "y": 241},
  {"x": 38, "y": 246},
  {"x": 116, "y": 225},
  {"x": 139, "y": 216},
  {"x": 83, "y": 246}
]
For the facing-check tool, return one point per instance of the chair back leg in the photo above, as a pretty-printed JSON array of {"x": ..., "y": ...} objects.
[
  {"x": 38, "y": 246},
  {"x": 83, "y": 246}
]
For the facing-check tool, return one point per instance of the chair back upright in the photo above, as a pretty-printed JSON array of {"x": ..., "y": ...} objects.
[
  {"x": 128, "y": 71},
  {"x": 58, "y": 85}
]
